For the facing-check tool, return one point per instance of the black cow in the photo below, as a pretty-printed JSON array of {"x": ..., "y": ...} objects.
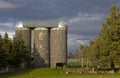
[{"x": 60, "y": 65}]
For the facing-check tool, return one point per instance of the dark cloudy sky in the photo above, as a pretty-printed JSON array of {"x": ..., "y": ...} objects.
[{"x": 84, "y": 17}]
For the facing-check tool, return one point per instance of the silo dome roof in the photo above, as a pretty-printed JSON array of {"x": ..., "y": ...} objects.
[
  {"x": 19, "y": 24},
  {"x": 62, "y": 24}
]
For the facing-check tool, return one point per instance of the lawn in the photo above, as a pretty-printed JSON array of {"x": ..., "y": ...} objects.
[{"x": 54, "y": 73}]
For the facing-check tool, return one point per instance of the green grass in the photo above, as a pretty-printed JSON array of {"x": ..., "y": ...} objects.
[{"x": 54, "y": 73}]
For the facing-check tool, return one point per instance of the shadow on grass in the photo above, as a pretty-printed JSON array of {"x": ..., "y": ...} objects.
[
  {"x": 34, "y": 73},
  {"x": 16, "y": 73}
]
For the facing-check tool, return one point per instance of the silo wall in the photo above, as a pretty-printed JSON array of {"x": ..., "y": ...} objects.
[
  {"x": 58, "y": 46},
  {"x": 26, "y": 35},
  {"x": 41, "y": 47}
]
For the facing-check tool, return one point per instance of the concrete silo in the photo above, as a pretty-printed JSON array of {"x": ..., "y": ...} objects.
[
  {"x": 46, "y": 40},
  {"x": 41, "y": 47},
  {"x": 58, "y": 45},
  {"x": 26, "y": 35}
]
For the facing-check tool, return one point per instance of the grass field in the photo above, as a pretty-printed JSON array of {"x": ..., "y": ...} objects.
[{"x": 54, "y": 73}]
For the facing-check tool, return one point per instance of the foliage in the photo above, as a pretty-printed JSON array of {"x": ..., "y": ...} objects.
[
  {"x": 71, "y": 55},
  {"x": 13, "y": 52},
  {"x": 5, "y": 45},
  {"x": 104, "y": 50},
  {"x": 75, "y": 55}
]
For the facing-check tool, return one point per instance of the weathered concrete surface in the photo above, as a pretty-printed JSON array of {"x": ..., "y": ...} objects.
[
  {"x": 47, "y": 45},
  {"x": 41, "y": 47},
  {"x": 58, "y": 46},
  {"x": 26, "y": 35}
]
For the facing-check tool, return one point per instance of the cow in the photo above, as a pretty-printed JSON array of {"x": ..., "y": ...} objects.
[{"x": 60, "y": 65}]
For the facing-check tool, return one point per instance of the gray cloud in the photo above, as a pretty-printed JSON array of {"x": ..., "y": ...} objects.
[
  {"x": 53, "y": 9},
  {"x": 87, "y": 24},
  {"x": 74, "y": 41},
  {"x": 4, "y": 5},
  {"x": 84, "y": 17}
]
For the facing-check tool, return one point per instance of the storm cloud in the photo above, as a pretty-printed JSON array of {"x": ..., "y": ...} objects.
[{"x": 84, "y": 17}]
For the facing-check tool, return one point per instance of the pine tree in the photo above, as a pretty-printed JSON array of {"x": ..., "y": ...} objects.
[
  {"x": 4, "y": 52},
  {"x": 111, "y": 35},
  {"x": 19, "y": 52},
  {"x": 104, "y": 50}
]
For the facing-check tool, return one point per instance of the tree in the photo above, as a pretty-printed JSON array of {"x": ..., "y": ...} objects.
[
  {"x": 70, "y": 56},
  {"x": 4, "y": 51},
  {"x": 77, "y": 54},
  {"x": 84, "y": 55},
  {"x": 111, "y": 37},
  {"x": 19, "y": 53},
  {"x": 2, "y": 54},
  {"x": 13, "y": 53},
  {"x": 104, "y": 50}
]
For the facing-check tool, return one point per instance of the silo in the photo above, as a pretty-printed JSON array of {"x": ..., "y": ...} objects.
[
  {"x": 41, "y": 47},
  {"x": 26, "y": 35},
  {"x": 58, "y": 45}
]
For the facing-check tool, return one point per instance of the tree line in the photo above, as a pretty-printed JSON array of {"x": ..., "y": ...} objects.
[
  {"x": 104, "y": 50},
  {"x": 13, "y": 51}
]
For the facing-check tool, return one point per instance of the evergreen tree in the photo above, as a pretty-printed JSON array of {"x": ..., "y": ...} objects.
[
  {"x": 111, "y": 35},
  {"x": 13, "y": 53},
  {"x": 19, "y": 52},
  {"x": 4, "y": 51},
  {"x": 104, "y": 50}
]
